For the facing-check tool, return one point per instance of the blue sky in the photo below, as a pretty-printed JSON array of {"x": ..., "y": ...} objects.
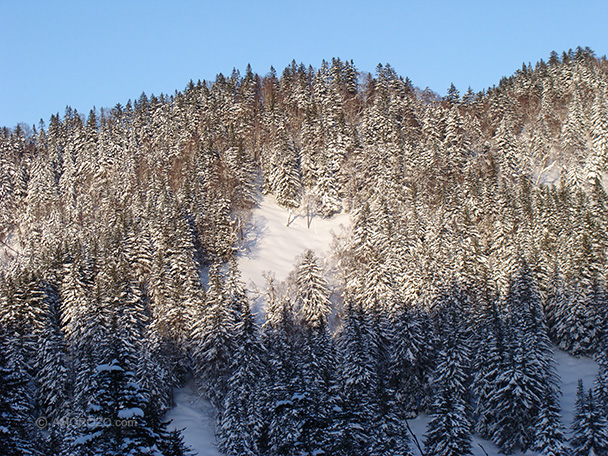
[{"x": 99, "y": 53}]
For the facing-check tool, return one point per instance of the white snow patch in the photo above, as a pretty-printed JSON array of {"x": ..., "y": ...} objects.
[
  {"x": 84, "y": 439},
  {"x": 418, "y": 427},
  {"x": 270, "y": 245},
  {"x": 130, "y": 413},
  {"x": 281, "y": 403},
  {"x": 108, "y": 368},
  {"x": 570, "y": 370},
  {"x": 196, "y": 417}
]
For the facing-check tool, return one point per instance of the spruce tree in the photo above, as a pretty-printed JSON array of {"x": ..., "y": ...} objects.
[
  {"x": 514, "y": 401},
  {"x": 293, "y": 406},
  {"x": 550, "y": 439},
  {"x": 213, "y": 339},
  {"x": 358, "y": 380},
  {"x": 18, "y": 436},
  {"x": 240, "y": 420},
  {"x": 601, "y": 381},
  {"x": 589, "y": 427},
  {"x": 489, "y": 362},
  {"x": 449, "y": 429},
  {"x": 409, "y": 362},
  {"x": 527, "y": 375},
  {"x": 53, "y": 368},
  {"x": 287, "y": 181},
  {"x": 365, "y": 421},
  {"x": 312, "y": 297},
  {"x": 113, "y": 398}
]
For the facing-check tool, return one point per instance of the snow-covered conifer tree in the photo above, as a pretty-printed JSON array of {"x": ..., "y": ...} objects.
[
  {"x": 17, "y": 432},
  {"x": 312, "y": 297},
  {"x": 116, "y": 423},
  {"x": 590, "y": 426},
  {"x": 53, "y": 368},
  {"x": 489, "y": 362},
  {"x": 358, "y": 379},
  {"x": 449, "y": 430},
  {"x": 409, "y": 361},
  {"x": 212, "y": 339},
  {"x": 240, "y": 420},
  {"x": 550, "y": 439}
]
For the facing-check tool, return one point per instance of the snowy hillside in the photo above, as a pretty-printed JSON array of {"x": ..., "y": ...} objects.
[
  {"x": 470, "y": 218},
  {"x": 569, "y": 369},
  {"x": 270, "y": 245}
]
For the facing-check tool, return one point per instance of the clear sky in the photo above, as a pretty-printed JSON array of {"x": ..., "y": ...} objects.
[{"x": 98, "y": 53}]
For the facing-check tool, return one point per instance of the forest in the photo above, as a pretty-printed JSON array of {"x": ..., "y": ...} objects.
[{"x": 478, "y": 245}]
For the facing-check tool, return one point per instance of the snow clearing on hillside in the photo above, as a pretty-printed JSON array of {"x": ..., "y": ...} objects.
[{"x": 272, "y": 246}]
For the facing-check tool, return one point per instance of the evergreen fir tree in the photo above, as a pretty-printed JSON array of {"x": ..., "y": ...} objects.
[
  {"x": 287, "y": 182},
  {"x": 527, "y": 375},
  {"x": 409, "y": 363},
  {"x": 213, "y": 340},
  {"x": 489, "y": 362},
  {"x": 312, "y": 300},
  {"x": 117, "y": 423},
  {"x": 53, "y": 379},
  {"x": 550, "y": 437},
  {"x": 601, "y": 382},
  {"x": 514, "y": 401},
  {"x": 449, "y": 429},
  {"x": 359, "y": 381},
  {"x": 589, "y": 427},
  {"x": 287, "y": 399},
  {"x": 17, "y": 433},
  {"x": 240, "y": 421}
]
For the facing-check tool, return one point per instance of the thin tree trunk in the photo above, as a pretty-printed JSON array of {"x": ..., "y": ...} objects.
[{"x": 308, "y": 216}]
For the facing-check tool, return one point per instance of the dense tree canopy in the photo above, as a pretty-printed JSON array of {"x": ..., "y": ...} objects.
[{"x": 478, "y": 241}]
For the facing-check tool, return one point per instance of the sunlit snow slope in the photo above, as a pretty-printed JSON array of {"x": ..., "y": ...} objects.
[{"x": 270, "y": 245}]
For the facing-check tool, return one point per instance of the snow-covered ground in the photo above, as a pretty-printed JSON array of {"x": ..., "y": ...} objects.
[
  {"x": 418, "y": 427},
  {"x": 270, "y": 245},
  {"x": 196, "y": 417},
  {"x": 570, "y": 370}
]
